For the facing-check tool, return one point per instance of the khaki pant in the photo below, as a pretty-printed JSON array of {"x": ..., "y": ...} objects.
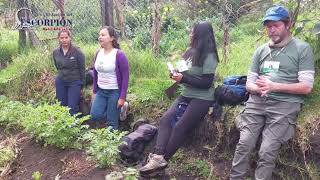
[{"x": 276, "y": 120}]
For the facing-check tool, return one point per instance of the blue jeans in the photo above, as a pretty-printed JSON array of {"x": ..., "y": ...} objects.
[
  {"x": 105, "y": 107},
  {"x": 68, "y": 93}
]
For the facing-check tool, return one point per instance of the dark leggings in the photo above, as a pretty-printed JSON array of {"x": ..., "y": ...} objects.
[{"x": 171, "y": 138}]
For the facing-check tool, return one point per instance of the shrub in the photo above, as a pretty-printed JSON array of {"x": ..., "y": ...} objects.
[
  {"x": 6, "y": 155},
  {"x": 12, "y": 112},
  {"x": 8, "y": 45},
  {"x": 15, "y": 80},
  {"x": 103, "y": 145},
  {"x": 54, "y": 125}
]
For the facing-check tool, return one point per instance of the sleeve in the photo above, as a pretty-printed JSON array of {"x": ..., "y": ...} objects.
[
  {"x": 95, "y": 74},
  {"x": 204, "y": 82},
  {"x": 306, "y": 66},
  {"x": 124, "y": 72},
  {"x": 210, "y": 64},
  {"x": 306, "y": 62},
  {"x": 81, "y": 63},
  {"x": 255, "y": 65},
  {"x": 54, "y": 59}
]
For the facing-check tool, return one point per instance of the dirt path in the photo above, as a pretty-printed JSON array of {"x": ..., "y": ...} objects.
[{"x": 52, "y": 163}]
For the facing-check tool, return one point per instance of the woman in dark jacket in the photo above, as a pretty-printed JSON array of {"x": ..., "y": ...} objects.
[{"x": 70, "y": 63}]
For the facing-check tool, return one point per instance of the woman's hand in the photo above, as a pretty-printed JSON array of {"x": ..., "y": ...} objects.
[
  {"x": 92, "y": 97},
  {"x": 120, "y": 102},
  {"x": 177, "y": 77}
]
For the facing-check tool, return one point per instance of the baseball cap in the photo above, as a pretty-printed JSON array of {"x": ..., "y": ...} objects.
[{"x": 276, "y": 13}]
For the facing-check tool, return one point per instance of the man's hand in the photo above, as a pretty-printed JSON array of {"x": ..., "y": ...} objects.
[
  {"x": 120, "y": 102},
  {"x": 265, "y": 85}
]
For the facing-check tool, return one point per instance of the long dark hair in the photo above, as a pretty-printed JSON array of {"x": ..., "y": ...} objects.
[
  {"x": 112, "y": 33},
  {"x": 202, "y": 43}
]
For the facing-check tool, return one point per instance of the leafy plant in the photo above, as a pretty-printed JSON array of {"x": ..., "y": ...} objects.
[
  {"x": 54, "y": 125},
  {"x": 198, "y": 167},
  {"x": 6, "y": 155},
  {"x": 12, "y": 112},
  {"x": 103, "y": 145},
  {"x": 130, "y": 174},
  {"x": 8, "y": 45},
  {"x": 36, "y": 175}
]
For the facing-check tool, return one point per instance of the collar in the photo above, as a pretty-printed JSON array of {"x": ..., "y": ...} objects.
[
  {"x": 69, "y": 50},
  {"x": 283, "y": 43}
]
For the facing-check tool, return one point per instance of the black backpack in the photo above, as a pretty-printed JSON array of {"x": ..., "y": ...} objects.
[
  {"x": 232, "y": 91},
  {"x": 88, "y": 77},
  {"x": 131, "y": 152}
]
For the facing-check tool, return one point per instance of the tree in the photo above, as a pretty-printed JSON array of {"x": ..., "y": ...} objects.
[
  {"x": 156, "y": 27},
  {"x": 119, "y": 7},
  {"x": 60, "y": 5},
  {"x": 107, "y": 12},
  {"x": 22, "y": 32}
]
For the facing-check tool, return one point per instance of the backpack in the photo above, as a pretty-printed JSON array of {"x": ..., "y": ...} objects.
[
  {"x": 131, "y": 152},
  {"x": 232, "y": 91},
  {"x": 88, "y": 77}
]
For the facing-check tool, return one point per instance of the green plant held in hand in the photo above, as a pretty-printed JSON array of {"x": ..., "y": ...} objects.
[{"x": 103, "y": 145}]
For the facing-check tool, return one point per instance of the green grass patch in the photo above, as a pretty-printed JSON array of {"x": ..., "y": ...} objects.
[
  {"x": 149, "y": 90},
  {"x": 6, "y": 155},
  {"x": 8, "y": 45}
]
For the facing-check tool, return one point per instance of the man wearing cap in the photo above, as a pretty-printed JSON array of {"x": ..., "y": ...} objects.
[{"x": 281, "y": 74}]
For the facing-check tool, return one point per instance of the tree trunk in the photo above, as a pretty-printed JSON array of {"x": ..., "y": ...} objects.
[
  {"x": 107, "y": 12},
  {"x": 226, "y": 35},
  {"x": 295, "y": 14},
  {"x": 22, "y": 32},
  {"x": 33, "y": 38},
  {"x": 119, "y": 8},
  {"x": 60, "y": 5},
  {"x": 156, "y": 27}
]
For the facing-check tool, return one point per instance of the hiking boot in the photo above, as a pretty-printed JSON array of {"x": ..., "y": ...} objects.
[
  {"x": 154, "y": 164},
  {"x": 155, "y": 174},
  {"x": 124, "y": 111}
]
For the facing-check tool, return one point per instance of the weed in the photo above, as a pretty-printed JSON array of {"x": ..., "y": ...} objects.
[
  {"x": 6, "y": 155},
  {"x": 8, "y": 45},
  {"x": 54, "y": 125},
  {"x": 36, "y": 175},
  {"x": 103, "y": 145}
]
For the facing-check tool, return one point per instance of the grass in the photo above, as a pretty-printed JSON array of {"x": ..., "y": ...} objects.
[
  {"x": 8, "y": 45},
  {"x": 181, "y": 162},
  {"x": 6, "y": 155},
  {"x": 16, "y": 79}
]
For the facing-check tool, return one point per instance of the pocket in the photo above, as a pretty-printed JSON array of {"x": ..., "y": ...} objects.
[
  {"x": 291, "y": 129},
  {"x": 72, "y": 63},
  {"x": 239, "y": 123}
]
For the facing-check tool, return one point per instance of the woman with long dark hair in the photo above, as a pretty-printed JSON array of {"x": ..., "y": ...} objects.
[
  {"x": 193, "y": 104},
  {"x": 110, "y": 79},
  {"x": 70, "y": 63}
]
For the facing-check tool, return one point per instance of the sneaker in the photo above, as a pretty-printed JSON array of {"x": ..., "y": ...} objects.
[
  {"x": 155, "y": 163},
  {"x": 124, "y": 111}
]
